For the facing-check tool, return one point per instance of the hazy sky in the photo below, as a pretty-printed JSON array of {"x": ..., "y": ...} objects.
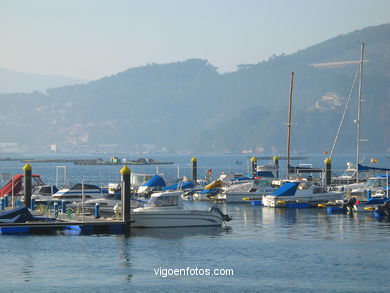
[{"x": 89, "y": 39}]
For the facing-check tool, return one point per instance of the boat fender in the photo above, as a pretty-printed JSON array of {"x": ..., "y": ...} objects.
[{"x": 225, "y": 217}]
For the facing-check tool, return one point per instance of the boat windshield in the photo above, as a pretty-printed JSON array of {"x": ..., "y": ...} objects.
[
  {"x": 348, "y": 174},
  {"x": 163, "y": 201},
  {"x": 262, "y": 183},
  {"x": 140, "y": 179},
  {"x": 376, "y": 182}
]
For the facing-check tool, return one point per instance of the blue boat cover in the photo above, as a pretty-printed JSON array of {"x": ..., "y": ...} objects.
[
  {"x": 14, "y": 212},
  {"x": 179, "y": 185},
  {"x": 20, "y": 215},
  {"x": 374, "y": 201},
  {"x": 366, "y": 168},
  {"x": 287, "y": 189},
  {"x": 240, "y": 179},
  {"x": 212, "y": 191},
  {"x": 155, "y": 181}
]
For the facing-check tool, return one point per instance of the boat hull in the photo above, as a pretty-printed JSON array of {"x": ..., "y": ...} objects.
[
  {"x": 185, "y": 218},
  {"x": 237, "y": 197},
  {"x": 313, "y": 200}
]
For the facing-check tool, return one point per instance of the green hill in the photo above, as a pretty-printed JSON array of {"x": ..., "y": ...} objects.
[{"x": 189, "y": 106}]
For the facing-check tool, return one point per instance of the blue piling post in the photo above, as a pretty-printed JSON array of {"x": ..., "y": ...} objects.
[
  {"x": 18, "y": 203},
  {"x": 63, "y": 207},
  {"x": 5, "y": 201},
  {"x": 97, "y": 210},
  {"x": 2, "y": 204},
  {"x": 55, "y": 209},
  {"x": 32, "y": 207}
]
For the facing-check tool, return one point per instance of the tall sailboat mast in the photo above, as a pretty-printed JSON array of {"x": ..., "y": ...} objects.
[
  {"x": 359, "y": 112},
  {"x": 289, "y": 124}
]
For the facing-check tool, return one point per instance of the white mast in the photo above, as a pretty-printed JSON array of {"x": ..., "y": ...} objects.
[
  {"x": 289, "y": 123},
  {"x": 359, "y": 112}
]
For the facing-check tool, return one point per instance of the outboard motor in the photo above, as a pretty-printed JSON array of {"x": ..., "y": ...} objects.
[
  {"x": 225, "y": 217},
  {"x": 383, "y": 210},
  {"x": 189, "y": 194},
  {"x": 348, "y": 205}
]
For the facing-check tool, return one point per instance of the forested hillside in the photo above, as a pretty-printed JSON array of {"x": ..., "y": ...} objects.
[{"x": 189, "y": 106}]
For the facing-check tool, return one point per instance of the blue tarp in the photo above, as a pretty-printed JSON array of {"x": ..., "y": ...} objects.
[
  {"x": 366, "y": 168},
  {"x": 287, "y": 189},
  {"x": 240, "y": 179},
  {"x": 155, "y": 181},
  {"x": 180, "y": 185},
  {"x": 374, "y": 201},
  {"x": 212, "y": 191}
]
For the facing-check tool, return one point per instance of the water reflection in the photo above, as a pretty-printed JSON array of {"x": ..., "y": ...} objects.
[
  {"x": 179, "y": 232},
  {"x": 27, "y": 268},
  {"x": 125, "y": 258}
]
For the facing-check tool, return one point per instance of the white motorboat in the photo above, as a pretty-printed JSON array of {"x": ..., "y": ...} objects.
[
  {"x": 78, "y": 192},
  {"x": 374, "y": 185},
  {"x": 165, "y": 209},
  {"x": 298, "y": 194},
  {"x": 242, "y": 191},
  {"x": 210, "y": 191}
]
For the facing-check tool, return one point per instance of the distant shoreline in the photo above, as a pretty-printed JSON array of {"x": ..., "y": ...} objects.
[{"x": 87, "y": 161}]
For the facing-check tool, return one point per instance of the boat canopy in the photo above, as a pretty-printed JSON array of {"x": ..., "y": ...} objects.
[
  {"x": 164, "y": 199},
  {"x": 155, "y": 181},
  {"x": 179, "y": 185},
  {"x": 80, "y": 186},
  {"x": 367, "y": 168},
  {"x": 287, "y": 189}
]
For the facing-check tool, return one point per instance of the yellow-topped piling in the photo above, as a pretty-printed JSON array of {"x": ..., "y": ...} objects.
[
  {"x": 254, "y": 166},
  {"x": 276, "y": 164},
  {"x": 125, "y": 170},
  {"x": 327, "y": 161},
  {"x": 194, "y": 169},
  {"x": 27, "y": 167},
  {"x": 125, "y": 196},
  {"x": 27, "y": 185},
  {"x": 328, "y": 171}
]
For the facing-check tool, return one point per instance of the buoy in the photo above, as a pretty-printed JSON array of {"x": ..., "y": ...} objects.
[{"x": 322, "y": 205}]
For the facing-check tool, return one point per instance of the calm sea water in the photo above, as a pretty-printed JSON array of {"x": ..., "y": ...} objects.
[{"x": 280, "y": 250}]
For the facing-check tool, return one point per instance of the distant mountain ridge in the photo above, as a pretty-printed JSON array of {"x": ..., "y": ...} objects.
[
  {"x": 18, "y": 82},
  {"x": 189, "y": 107}
]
